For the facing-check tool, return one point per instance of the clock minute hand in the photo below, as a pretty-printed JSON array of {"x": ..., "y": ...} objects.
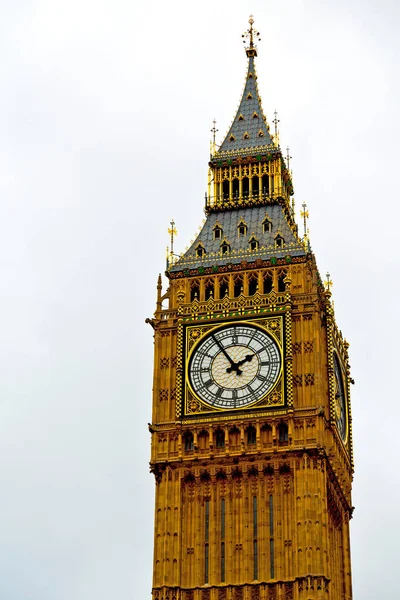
[{"x": 233, "y": 364}]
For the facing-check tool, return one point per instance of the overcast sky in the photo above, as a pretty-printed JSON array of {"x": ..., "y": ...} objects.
[{"x": 105, "y": 116}]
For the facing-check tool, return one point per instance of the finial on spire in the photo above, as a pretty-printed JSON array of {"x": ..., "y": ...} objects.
[
  {"x": 214, "y": 131},
  {"x": 251, "y": 34},
  {"x": 275, "y": 122},
  {"x": 172, "y": 232},
  {"x": 304, "y": 215},
  {"x": 328, "y": 283},
  {"x": 288, "y": 157}
]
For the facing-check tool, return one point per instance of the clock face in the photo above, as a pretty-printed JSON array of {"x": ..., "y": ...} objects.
[
  {"x": 234, "y": 366},
  {"x": 340, "y": 400}
]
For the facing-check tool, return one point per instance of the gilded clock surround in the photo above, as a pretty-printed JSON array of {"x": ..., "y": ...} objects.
[
  {"x": 193, "y": 334},
  {"x": 251, "y": 503}
]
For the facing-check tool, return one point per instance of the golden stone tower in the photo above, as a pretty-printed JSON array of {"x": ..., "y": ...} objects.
[{"x": 251, "y": 424}]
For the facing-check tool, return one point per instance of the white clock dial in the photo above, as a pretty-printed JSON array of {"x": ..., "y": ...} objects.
[
  {"x": 340, "y": 400},
  {"x": 234, "y": 366}
]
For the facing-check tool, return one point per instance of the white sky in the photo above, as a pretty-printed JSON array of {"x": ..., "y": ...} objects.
[{"x": 105, "y": 116}]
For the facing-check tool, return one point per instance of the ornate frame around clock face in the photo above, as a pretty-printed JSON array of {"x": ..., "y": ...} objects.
[
  {"x": 233, "y": 365},
  {"x": 341, "y": 416}
]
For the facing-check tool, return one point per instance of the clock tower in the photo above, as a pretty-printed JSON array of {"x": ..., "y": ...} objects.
[{"x": 251, "y": 424}]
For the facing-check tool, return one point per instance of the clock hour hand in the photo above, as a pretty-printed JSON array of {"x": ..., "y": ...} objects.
[
  {"x": 247, "y": 358},
  {"x": 236, "y": 366}
]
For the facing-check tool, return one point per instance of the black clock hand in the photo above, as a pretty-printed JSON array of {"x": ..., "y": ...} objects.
[
  {"x": 235, "y": 367},
  {"x": 233, "y": 364},
  {"x": 248, "y": 358}
]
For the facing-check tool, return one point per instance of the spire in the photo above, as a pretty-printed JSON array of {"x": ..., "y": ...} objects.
[{"x": 249, "y": 128}]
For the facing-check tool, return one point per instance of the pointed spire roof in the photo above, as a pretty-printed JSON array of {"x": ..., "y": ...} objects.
[{"x": 249, "y": 129}]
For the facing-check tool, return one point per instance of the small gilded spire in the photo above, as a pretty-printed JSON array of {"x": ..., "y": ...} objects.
[
  {"x": 172, "y": 232},
  {"x": 304, "y": 215},
  {"x": 328, "y": 283},
  {"x": 250, "y": 35}
]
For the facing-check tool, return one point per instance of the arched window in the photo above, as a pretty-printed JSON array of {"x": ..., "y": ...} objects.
[
  {"x": 283, "y": 433},
  {"x": 267, "y": 283},
  {"x": 202, "y": 440},
  {"x": 220, "y": 438},
  {"x": 242, "y": 229},
  {"x": 267, "y": 225},
  {"x": 266, "y": 434},
  {"x": 225, "y": 190},
  {"x": 265, "y": 184},
  {"x": 279, "y": 241},
  {"x": 209, "y": 289},
  {"x": 200, "y": 252},
  {"x": 223, "y": 288},
  {"x": 194, "y": 290},
  {"x": 234, "y": 437},
  {"x": 225, "y": 247},
  {"x": 253, "y": 283},
  {"x": 235, "y": 188},
  {"x": 238, "y": 286},
  {"x": 245, "y": 186},
  {"x": 256, "y": 185},
  {"x": 253, "y": 243},
  {"x": 188, "y": 441},
  {"x": 217, "y": 232},
  {"x": 251, "y": 435}
]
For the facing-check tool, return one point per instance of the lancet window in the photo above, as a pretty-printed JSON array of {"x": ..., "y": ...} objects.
[
  {"x": 281, "y": 282},
  {"x": 223, "y": 287},
  {"x": 194, "y": 290},
  {"x": 252, "y": 283},
  {"x": 267, "y": 283},
  {"x": 238, "y": 285},
  {"x": 209, "y": 289}
]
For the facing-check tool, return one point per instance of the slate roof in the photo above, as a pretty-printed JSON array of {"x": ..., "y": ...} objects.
[
  {"x": 239, "y": 245},
  {"x": 249, "y": 105}
]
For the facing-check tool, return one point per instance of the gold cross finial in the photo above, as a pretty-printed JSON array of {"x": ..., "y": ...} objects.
[
  {"x": 328, "y": 283},
  {"x": 251, "y": 34},
  {"x": 172, "y": 232},
  {"x": 304, "y": 215}
]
